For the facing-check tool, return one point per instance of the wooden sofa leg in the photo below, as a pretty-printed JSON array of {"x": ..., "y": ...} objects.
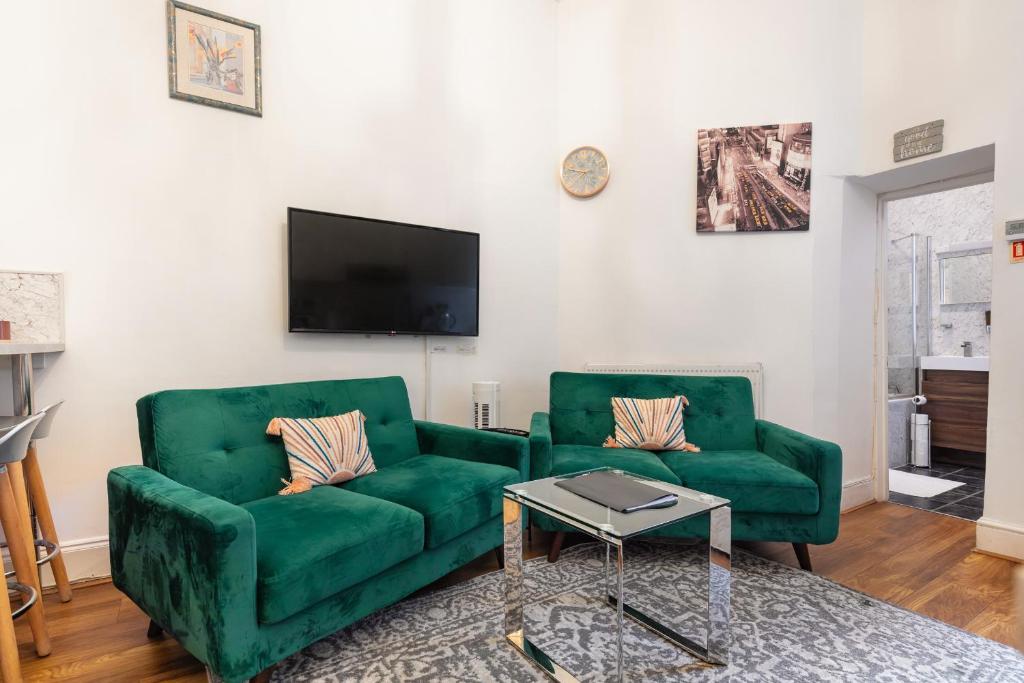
[
  {"x": 803, "y": 555},
  {"x": 155, "y": 631},
  {"x": 556, "y": 546},
  {"x": 263, "y": 676},
  {"x": 499, "y": 555}
]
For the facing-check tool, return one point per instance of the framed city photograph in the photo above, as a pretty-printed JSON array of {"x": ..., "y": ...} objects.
[
  {"x": 213, "y": 59},
  {"x": 754, "y": 178}
]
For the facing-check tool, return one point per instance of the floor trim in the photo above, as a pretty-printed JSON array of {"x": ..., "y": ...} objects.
[
  {"x": 85, "y": 558},
  {"x": 857, "y": 493},
  {"x": 1001, "y": 539}
]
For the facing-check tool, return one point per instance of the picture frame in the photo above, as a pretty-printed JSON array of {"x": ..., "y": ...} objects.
[
  {"x": 754, "y": 178},
  {"x": 213, "y": 59}
]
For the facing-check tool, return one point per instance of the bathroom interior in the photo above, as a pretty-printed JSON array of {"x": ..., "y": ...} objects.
[{"x": 939, "y": 284}]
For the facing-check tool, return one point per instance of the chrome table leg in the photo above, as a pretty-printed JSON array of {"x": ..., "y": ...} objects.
[
  {"x": 513, "y": 548},
  {"x": 719, "y": 585},
  {"x": 620, "y": 571},
  {"x": 607, "y": 563},
  {"x": 515, "y": 628},
  {"x": 715, "y": 648}
]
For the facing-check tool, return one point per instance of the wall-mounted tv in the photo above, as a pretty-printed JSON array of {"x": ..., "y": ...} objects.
[{"x": 349, "y": 274}]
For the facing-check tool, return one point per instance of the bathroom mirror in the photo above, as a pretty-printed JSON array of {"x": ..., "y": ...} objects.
[{"x": 965, "y": 277}]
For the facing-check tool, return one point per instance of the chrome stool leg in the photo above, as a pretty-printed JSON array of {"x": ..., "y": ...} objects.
[
  {"x": 48, "y": 549},
  {"x": 30, "y": 596}
]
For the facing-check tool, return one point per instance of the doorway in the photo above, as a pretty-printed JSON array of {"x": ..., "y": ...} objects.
[{"x": 937, "y": 262}]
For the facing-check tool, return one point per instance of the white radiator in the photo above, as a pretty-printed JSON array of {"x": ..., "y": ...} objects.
[{"x": 752, "y": 371}]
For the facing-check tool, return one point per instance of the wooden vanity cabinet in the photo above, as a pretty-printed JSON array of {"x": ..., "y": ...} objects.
[{"x": 958, "y": 408}]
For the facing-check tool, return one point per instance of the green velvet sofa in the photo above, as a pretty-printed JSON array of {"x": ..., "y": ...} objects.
[
  {"x": 784, "y": 485},
  {"x": 243, "y": 577}
]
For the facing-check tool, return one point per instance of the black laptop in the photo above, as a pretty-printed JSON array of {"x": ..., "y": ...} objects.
[{"x": 618, "y": 492}]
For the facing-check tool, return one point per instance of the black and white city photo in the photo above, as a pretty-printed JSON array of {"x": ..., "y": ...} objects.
[{"x": 754, "y": 178}]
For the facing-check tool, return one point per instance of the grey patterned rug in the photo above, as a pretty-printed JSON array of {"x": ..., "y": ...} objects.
[{"x": 787, "y": 625}]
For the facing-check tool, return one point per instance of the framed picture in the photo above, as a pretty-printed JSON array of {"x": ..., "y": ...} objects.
[
  {"x": 213, "y": 59},
  {"x": 754, "y": 178}
]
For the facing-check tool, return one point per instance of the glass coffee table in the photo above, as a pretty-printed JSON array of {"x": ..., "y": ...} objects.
[{"x": 613, "y": 528}]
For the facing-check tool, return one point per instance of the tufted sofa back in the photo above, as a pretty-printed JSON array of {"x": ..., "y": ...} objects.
[
  {"x": 720, "y": 416},
  {"x": 214, "y": 440}
]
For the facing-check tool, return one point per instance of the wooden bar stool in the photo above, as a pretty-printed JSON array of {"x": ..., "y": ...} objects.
[
  {"x": 14, "y": 443},
  {"x": 41, "y": 506},
  {"x": 10, "y": 665}
]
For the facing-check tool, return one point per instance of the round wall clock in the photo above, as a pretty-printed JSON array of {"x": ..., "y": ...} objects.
[{"x": 584, "y": 171}]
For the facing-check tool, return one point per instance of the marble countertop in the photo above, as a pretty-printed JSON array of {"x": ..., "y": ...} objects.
[
  {"x": 19, "y": 348},
  {"x": 966, "y": 363}
]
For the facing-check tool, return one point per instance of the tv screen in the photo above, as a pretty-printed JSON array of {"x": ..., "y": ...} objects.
[{"x": 349, "y": 274}]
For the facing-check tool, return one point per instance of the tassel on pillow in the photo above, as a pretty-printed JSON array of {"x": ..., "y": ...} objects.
[{"x": 296, "y": 485}]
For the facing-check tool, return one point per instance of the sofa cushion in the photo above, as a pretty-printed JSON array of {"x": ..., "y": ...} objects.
[
  {"x": 566, "y": 459},
  {"x": 314, "y": 544},
  {"x": 750, "y": 479},
  {"x": 214, "y": 440},
  {"x": 454, "y": 496},
  {"x": 720, "y": 416}
]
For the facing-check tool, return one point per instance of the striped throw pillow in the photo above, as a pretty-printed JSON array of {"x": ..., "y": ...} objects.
[
  {"x": 654, "y": 424},
  {"x": 323, "y": 450}
]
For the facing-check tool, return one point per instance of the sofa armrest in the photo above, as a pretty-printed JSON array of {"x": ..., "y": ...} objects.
[
  {"x": 464, "y": 443},
  {"x": 540, "y": 446},
  {"x": 820, "y": 460},
  {"x": 188, "y": 560}
]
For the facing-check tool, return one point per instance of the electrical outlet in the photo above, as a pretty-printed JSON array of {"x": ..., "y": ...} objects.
[
  {"x": 439, "y": 348},
  {"x": 466, "y": 347}
]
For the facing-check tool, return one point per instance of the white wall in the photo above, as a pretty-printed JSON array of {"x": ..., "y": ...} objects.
[
  {"x": 168, "y": 218},
  {"x": 961, "y": 61},
  {"x": 637, "y": 283}
]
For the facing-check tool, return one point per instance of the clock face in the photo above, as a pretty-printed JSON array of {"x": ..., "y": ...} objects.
[{"x": 584, "y": 172}]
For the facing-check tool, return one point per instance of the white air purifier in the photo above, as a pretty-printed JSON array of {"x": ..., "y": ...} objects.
[{"x": 486, "y": 405}]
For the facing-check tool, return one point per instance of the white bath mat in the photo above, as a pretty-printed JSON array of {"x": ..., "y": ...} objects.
[{"x": 911, "y": 484}]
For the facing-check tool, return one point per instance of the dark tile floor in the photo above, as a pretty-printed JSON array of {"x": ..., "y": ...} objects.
[{"x": 963, "y": 501}]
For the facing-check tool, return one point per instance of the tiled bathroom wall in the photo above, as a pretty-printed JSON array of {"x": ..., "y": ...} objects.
[{"x": 950, "y": 218}]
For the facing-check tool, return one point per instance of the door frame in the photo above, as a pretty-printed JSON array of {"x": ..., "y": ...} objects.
[{"x": 880, "y": 464}]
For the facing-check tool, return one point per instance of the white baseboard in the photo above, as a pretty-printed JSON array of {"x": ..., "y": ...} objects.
[
  {"x": 85, "y": 558},
  {"x": 1000, "y": 538},
  {"x": 857, "y": 492}
]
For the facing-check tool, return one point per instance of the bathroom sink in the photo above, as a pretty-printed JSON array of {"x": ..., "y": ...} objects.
[{"x": 975, "y": 363}]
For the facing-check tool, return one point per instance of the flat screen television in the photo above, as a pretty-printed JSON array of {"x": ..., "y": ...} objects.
[{"x": 350, "y": 274}]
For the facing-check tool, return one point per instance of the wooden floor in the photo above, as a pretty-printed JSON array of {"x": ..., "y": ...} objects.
[{"x": 919, "y": 560}]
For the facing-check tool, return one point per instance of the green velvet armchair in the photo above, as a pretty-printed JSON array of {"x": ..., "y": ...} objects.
[
  {"x": 784, "y": 485},
  {"x": 243, "y": 577}
]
